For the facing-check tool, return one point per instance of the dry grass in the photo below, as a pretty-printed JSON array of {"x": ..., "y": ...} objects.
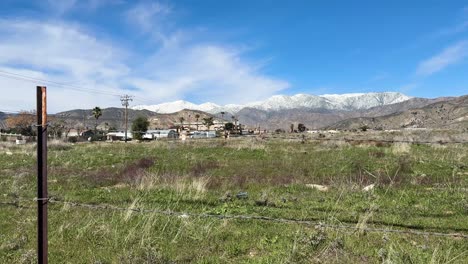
[{"x": 401, "y": 148}]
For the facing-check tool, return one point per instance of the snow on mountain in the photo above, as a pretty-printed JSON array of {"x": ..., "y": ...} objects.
[
  {"x": 346, "y": 102},
  {"x": 364, "y": 100},
  {"x": 172, "y": 107}
]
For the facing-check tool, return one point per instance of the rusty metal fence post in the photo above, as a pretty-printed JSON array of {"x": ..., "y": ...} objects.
[{"x": 42, "y": 197}]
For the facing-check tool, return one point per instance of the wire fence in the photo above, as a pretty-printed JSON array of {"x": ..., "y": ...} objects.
[
  {"x": 370, "y": 140},
  {"x": 316, "y": 223}
]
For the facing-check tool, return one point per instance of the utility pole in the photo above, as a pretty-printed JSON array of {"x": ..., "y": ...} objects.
[
  {"x": 125, "y": 99},
  {"x": 42, "y": 196}
]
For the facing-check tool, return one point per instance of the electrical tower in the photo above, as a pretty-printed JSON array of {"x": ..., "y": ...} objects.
[{"x": 125, "y": 99}]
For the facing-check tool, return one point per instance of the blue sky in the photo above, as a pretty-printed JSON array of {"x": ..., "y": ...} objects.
[{"x": 230, "y": 51}]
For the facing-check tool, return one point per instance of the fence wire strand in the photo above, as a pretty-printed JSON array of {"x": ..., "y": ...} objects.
[{"x": 317, "y": 224}]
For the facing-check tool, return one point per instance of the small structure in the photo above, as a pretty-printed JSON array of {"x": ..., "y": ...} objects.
[
  {"x": 87, "y": 134},
  {"x": 203, "y": 134},
  {"x": 156, "y": 134},
  {"x": 119, "y": 135}
]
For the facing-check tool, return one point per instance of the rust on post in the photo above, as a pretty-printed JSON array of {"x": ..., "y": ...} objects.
[{"x": 44, "y": 105}]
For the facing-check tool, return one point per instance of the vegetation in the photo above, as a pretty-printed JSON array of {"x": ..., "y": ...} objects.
[
  {"x": 301, "y": 127},
  {"x": 139, "y": 127},
  {"x": 197, "y": 117},
  {"x": 181, "y": 120},
  {"x": 418, "y": 187},
  {"x": 229, "y": 126},
  {"x": 22, "y": 123},
  {"x": 97, "y": 112},
  {"x": 208, "y": 122}
]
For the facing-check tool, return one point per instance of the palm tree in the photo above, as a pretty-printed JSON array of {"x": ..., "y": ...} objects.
[
  {"x": 197, "y": 116},
  {"x": 182, "y": 119},
  {"x": 97, "y": 112}
]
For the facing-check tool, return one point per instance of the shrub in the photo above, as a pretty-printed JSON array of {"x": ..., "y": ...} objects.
[
  {"x": 301, "y": 127},
  {"x": 229, "y": 126},
  {"x": 139, "y": 126},
  {"x": 364, "y": 128}
]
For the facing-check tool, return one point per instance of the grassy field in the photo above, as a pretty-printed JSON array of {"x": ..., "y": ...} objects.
[{"x": 417, "y": 187}]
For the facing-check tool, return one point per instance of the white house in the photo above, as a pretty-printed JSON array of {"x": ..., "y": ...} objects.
[
  {"x": 119, "y": 135},
  {"x": 203, "y": 134},
  {"x": 155, "y": 134}
]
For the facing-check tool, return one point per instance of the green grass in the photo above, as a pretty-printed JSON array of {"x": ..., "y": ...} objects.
[{"x": 419, "y": 187}]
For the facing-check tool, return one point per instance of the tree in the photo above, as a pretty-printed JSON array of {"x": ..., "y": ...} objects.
[
  {"x": 208, "y": 122},
  {"x": 68, "y": 126},
  {"x": 97, "y": 112},
  {"x": 182, "y": 119},
  {"x": 57, "y": 127},
  {"x": 364, "y": 127},
  {"x": 291, "y": 128},
  {"x": 22, "y": 123},
  {"x": 229, "y": 126},
  {"x": 139, "y": 127},
  {"x": 301, "y": 127},
  {"x": 197, "y": 117}
]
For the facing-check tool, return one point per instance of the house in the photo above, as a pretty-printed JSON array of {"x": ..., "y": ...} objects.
[
  {"x": 87, "y": 134},
  {"x": 119, "y": 135},
  {"x": 155, "y": 134},
  {"x": 203, "y": 134}
]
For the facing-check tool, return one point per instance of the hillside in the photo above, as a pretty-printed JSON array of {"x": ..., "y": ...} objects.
[
  {"x": 114, "y": 117},
  {"x": 451, "y": 113},
  {"x": 3, "y": 116},
  {"x": 318, "y": 118},
  {"x": 168, "y": 120}
]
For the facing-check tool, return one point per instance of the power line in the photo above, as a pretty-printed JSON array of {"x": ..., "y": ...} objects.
[
  {"x": 34, "y": 80},
  {"x": 22, "y": 77}
]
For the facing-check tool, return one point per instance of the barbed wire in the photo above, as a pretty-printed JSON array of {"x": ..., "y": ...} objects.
[
  {"x": 370, "y": 140},
  {"x": 316, "y": 223}
]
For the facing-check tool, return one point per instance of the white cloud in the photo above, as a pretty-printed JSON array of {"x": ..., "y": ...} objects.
[
  {"x": 62, "y": 53},
  {"x": 69, "y": 53},
  {"x": 214, "y": 72},
  {"x": 449, "y": 56},
  {"x": 149, "y": 16},
  {"x": 62, "y": 6}
]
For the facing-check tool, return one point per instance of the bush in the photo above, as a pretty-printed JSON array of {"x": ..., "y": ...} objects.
[
  {"x": 301, "y": 127},
  {"x": 229, "y": 126},
  {"x": 364, "y": 128},
  {"x": 139, "y": 126}
]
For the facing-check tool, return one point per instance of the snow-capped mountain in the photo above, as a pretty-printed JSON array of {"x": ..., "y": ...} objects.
[
  {"x": 346, "y": 102},
  {"x": 176, "y": 106}
]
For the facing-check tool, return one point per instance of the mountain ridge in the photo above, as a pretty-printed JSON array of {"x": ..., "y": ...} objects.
[{"x": 346, "y": 102}]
